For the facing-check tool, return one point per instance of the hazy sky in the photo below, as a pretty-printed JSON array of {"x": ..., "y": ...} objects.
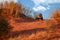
[{"x": 43, "y": 6}]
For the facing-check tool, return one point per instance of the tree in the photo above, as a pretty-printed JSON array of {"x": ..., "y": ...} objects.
[
  {"x": 18, "y": 8},
  {"x": 56, "y": 15},
  {"x": 15, "y": 8},
  {"x": 1, "y": 5},
  {"x": 6, "y": 5},
  {"x": 4, "y": 28},
  {"x": 12, "y": 5},
  {"x": 28, "y": 12}
]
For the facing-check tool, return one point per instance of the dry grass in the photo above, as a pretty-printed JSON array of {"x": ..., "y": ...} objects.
[
  {"x": 51, "y": 32},
  {"x": 32, "y": 30},
  {"x": 39, "y": 35}
]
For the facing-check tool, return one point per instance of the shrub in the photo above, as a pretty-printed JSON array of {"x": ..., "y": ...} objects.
[{"x": 4, "y": 27}]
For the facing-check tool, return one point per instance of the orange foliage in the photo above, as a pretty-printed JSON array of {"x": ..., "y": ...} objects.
[
  {"x": 56, "y": 15},
  {"x": 14, "y": 8}
]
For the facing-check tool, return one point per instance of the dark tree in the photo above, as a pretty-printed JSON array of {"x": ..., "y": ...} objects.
[
  {"x": 4, "y": 28},
  {"x": 0, "y": 11}
]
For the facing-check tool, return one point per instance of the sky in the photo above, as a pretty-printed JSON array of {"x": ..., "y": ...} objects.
[{"x": 41, "y": 6}]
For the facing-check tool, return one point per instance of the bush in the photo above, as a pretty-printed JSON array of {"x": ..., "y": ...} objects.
[
  {"x": 0, "y": 11},
  {"x": 4, "y": 27}
]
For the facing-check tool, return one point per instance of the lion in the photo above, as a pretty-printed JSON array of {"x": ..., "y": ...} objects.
[{"x": 39, "y": 16}]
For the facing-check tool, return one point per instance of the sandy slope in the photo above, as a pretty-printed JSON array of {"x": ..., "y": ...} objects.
[
  {"x": 35, "y": 30},
  {"x": 22, "y": 24}
]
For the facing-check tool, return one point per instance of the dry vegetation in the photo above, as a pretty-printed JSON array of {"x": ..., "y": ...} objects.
[
  {"x": 50, "y": 32},
  {"x": 38, "y": 32},
  {"x": 11, "y": 8}
]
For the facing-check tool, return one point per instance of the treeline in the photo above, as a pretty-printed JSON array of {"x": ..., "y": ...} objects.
[
  {"x": 12, "y": 7},
  {"x": 15, "y": 9}
]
